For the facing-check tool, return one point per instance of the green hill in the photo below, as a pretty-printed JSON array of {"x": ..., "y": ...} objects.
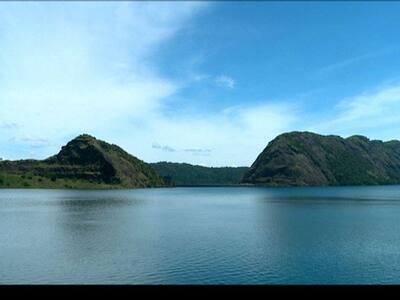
[
  {"x": 309, "y": 159},
  {"x": 182, "y": 174},
  {"x": 291, "y": 159},
  {"x": 85, "y": 162}
]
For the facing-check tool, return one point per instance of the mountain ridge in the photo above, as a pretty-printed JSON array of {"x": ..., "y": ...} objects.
[{"x": 184, "y": 174}]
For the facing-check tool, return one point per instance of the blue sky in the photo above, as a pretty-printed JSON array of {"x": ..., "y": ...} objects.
[{"x": 207, "y": 83}]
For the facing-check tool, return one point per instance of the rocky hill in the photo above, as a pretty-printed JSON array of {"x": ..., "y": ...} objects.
[
  {"x": 83, "y": 162},
  {"x": 309, "y": 159}
]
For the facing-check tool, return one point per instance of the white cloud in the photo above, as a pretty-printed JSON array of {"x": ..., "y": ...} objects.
[
  {"x": 71, "y": 68},
  {"x": 234, "y": 136},
  {"x": 370, "y": 113},
  {"x": 225, "y": 81}
]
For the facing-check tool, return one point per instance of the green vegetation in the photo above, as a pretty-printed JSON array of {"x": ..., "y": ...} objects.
[
  {"x": 291, "y": 159},
  {"x": 305, "y": 158},
  {"x": 182, "y": 174},
  {"x": 84, "y": 162},
  {"x": 19, "y": 181}
]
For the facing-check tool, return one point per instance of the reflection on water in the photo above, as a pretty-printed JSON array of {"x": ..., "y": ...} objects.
[{"x": 201, "y": 235}]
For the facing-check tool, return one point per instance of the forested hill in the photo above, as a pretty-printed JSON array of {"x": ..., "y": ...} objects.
[
  {"x": 310, "y": 159},
  {"x": 182, "y": 174},
  {"x": 85, "y": 162}
]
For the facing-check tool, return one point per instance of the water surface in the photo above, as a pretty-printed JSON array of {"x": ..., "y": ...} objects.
[{"x": 201, "y": 235}]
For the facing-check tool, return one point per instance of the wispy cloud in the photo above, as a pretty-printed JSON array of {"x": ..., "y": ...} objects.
[
  {"x": 32, "y": 142},
  {"x": 225, "y": 81},
  {"x": 197, "y": 151},
  {"x": 354, "y": 60},
  {"x": 73, "y": 67},
  {"x": 8, "y": 125},
  {"x": 163, "y": 147},
  {"x": 69, "y": 68},
  {"x": 371, "y": 111},
  {"x": 166, "y": 148},
  {"x": 233, "y": 136}
]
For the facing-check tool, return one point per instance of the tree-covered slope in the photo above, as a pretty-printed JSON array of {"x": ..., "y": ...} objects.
[
  {"x": 182, "y": 174},
  {"x": 83, "y": 162},
  {"x": 305, "y": 158}
]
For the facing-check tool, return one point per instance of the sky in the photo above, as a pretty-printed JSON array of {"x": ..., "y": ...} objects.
[{"x": 207, "y": 83}]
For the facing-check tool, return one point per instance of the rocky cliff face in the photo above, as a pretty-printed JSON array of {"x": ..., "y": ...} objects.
[{"x": 309, "y": 159}]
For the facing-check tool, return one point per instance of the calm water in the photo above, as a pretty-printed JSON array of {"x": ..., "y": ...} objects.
[{"x": 201, "y": 235}]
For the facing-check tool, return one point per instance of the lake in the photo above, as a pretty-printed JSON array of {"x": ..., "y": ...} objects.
[{"x": 235, "y": 235}]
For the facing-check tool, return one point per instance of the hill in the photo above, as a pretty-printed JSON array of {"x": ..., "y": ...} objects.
[
  {"x": 85, "y": 162},
  {"x": 183, "y": 174},
  {"x": 309, "y": 159}
]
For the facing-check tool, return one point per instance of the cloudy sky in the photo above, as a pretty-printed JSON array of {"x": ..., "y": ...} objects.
[{"x": 207, "y": 83}]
